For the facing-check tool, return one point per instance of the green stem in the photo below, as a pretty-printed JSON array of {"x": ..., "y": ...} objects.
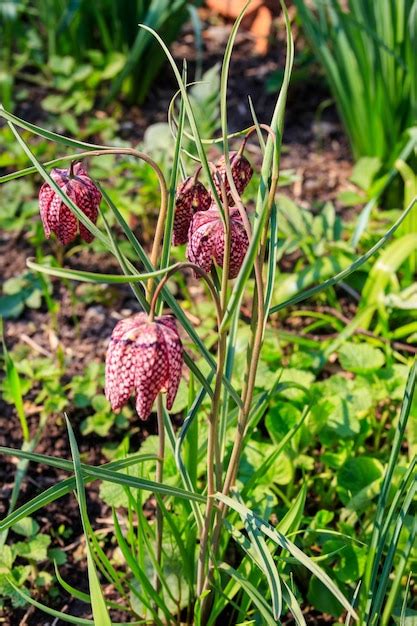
[
  {"x": 213, "y": 448},
  {"x": 159, "y": 479}
]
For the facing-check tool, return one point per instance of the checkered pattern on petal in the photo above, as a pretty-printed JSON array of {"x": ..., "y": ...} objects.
[
  {"x": 46, "y": 194},
  {"x": 66, "y": 226},
  {"x": 238, "y": 245},
  {"x": 175, "y": 355},
  {"x": 241, "y": 172},
  {"x": 191, "y": 197},
  {"x": 146, "y": 358},
  {"x": 56, "y": 216},
  {"x": 206, "y": 241},
  {"x": 200, "y": 240},
  {"x": 152, "y": 367},
  {"x": 120, "y": 371}
]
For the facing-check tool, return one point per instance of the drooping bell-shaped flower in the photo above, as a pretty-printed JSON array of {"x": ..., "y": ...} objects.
[
  {"x": 191, "y": 196},
  {"x": 56, "y": 216},
  {"x": 241, "y": 172},
  {"x": 143, "y": 358},
  {"x": 206, "y": 240}
]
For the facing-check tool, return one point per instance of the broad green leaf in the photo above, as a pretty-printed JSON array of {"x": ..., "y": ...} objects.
[
  {"x": 361, "y": 358},
  {"x": 357, "y": 474}
]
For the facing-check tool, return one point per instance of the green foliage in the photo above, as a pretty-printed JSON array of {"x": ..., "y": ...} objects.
[
  {"x": 19, "y": 292},
  {"x": 324, "y": 493},
  {"x": 368, "y": 52},
  {"x": 79, "y": 48}
]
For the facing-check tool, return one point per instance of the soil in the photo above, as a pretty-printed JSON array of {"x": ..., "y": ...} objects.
[{"x": 315, "y": 148}]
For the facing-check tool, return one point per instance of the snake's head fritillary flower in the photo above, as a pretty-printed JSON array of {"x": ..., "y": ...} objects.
[
  {"x": 241, "y": 172},
  {"x": 56, "y": 216},
  {"x": 192, "y": 196},
  {"x": 143, "y": 358},
  {"x": 206, "y": 240}
]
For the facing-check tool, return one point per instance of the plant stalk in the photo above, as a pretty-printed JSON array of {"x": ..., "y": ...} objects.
[{"x": 159, "y": 476}]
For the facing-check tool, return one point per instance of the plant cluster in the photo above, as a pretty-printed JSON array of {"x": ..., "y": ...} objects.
[
  {"x": 79, "y": 47},
  {"x": 224, "y": 542}
]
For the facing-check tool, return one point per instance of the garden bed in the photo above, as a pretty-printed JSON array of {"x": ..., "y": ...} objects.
[{"x": 315, "y": 149}]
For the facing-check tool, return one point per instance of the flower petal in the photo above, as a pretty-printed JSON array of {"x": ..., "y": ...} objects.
[
  {"x": 120, "y": 371},
  {"x": 152, "y": 368}
]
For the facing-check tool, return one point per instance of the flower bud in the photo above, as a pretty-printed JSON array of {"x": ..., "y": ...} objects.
[
  {"x": 55, "y": 214},
  {"x": 241, "y": 172},
  {"x": 143, "y": 358},
  {"x": 192, "y": 196},
  {"x": 206, "y": 240}
]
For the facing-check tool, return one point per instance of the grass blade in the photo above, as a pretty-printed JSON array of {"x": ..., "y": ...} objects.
[
  {"x": 304, "y": 295},
  {"x": 100, "y": 614},
  {"x": 282, "y": 541}
]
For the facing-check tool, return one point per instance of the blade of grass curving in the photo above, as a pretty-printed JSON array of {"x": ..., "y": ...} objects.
[
  {"x": 272, "y": 153},
  {"x": 370, "y": 578},
  {"x": 13, "y": 380},
  {"x": 224, "y": 78},
  {"x": 71, "y": 619},
  {"x": 47, "y": 134},
  {"x": 174, "y": 123},
  {"x": 139, "y": 575},
  {"x": 102, "y": 473},
  {"x": 385, "y": 576},
  {"x": 404, "y": 604},
  {"x": 176, "y": 445},
  {"x": 286, "y": 544},
  {"x": 394, "y": 592},
  {"x": 257, "y": 126},
  {"x": 187, "y": 566},
  {"x": 137, "y": 290},
  {"x": 191, "y": 117},
  {"x": 256, "y": 597},
  {"x": 72, "y": 591},
  {"x": 63, "y": 464},
  {"x": 293, "y": 605},
  {"x": 268, "y": 567},
  {"x": 348, "y": 619},
  {"x": 94, "y": 277},
  {"x": 84, "y": 597},
  {"x": 365, "y": 214},
  {"x": 398, "y": 496},
  {"x": 293, "y": 517},
  {"x": 166, "y": 244},
  {"x": 58, "y": 491},
  {"x": 304, "y": 295},
  {"x": 100, "y": 614}
]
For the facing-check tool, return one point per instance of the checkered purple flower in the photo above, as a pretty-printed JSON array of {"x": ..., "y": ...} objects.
[
  {"x": 143, "y": 358},
  {"x": 192, "y": 196},
  {"x": 241, "y": 172},
  {"x": 206, "y": 240},
  {"x": 56, "y": 216}
]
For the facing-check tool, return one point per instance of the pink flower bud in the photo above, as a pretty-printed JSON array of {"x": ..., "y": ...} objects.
[
  {"x": 56, "y": 216},
  {"x": 241, "y": 172},
  {"x": 192, "y": 196},
  {"x": 144, "y": 358},
  {"x": 206, "y": 240}
]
